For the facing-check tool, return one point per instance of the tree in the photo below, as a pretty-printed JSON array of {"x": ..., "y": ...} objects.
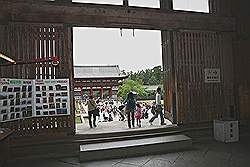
[
  {"x": 130, "y": 85},
  {"x": 148, "y": 76}
]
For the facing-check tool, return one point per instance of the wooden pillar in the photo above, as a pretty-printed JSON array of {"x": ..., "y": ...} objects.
[
  {"x": 220, "y": 7},
  {"x": 166, "y": 4},
  {"x": 81, "y": 92},
  {"x": 212, "y": 6},
  {"x": 125, "y": 2},
  {"x": 168, "y": 68},
  {"x": 91, "y": 91},
  {"x": 110, "y": 92},
  {"x": 101, "y": 92},
  {"x": 169, "y": 75}
]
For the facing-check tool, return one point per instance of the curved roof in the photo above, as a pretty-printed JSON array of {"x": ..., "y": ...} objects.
[{"x": 95, "y": 71}]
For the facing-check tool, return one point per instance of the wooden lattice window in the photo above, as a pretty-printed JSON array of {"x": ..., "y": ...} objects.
[{"x": 45, "y": 47}]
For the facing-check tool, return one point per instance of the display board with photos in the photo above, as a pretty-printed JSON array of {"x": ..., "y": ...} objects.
[
  {"x": 16, "y": 99},
  {"x": 20, "y": 98},
  {"x": 51, "y": 97}
]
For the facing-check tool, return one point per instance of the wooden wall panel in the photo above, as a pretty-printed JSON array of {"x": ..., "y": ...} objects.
[
  {"x": 241, "y": 57},
  {"x": 244, "y": 101},
  {"x": 25, "y": 42},
  {"x": 3, "y": 46},
  {"x": 195, "y": 51},
  {"x": 168, "y": 76},
  {"x": 220, "y": 7}
]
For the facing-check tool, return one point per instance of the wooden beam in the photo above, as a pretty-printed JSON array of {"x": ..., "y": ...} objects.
[{"x": 93, "y": 15}]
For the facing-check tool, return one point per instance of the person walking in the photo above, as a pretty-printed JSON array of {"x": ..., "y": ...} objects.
[
  {"x": 91, "y": 111},
  {"x": 158, "y": 108},
  {"x": 130, "y": 109}
]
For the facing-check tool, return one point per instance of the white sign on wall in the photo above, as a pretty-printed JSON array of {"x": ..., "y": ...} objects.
[{"x": 212, "y": 75}]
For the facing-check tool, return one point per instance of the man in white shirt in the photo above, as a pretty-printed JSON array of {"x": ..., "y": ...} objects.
[{"x": 158, "y": 109}]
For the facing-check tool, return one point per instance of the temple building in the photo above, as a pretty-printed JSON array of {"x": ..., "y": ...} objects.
[{"x": 101, "y": 81}]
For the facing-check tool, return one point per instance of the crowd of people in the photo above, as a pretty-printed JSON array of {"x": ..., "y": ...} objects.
[{"x": 130, "y": 109}]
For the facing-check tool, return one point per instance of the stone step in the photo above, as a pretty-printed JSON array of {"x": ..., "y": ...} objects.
[
  {"x": 137, "y": 147},
  {"x": 128, "y": 132}
]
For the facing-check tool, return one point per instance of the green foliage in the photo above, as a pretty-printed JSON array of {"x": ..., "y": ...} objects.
[
  {"x": 148, "y": 77},
  {"x": 78, "y": 120},
  {"x": 137, "y": 79},
  {"x": 130, "y": 85}
]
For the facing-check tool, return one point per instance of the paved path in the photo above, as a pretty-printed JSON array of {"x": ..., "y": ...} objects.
[
  {"x": 207, "y": 153},
  {"x": 116, "y": 126}
]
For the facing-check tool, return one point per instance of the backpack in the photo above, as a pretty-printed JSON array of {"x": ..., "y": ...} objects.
[
  {"x": 130, "y": 104},
  {"x": 153, "y": 108}
]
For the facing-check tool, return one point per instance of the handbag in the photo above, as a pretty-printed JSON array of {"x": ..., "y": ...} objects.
[{"x": 96, "y": 112}]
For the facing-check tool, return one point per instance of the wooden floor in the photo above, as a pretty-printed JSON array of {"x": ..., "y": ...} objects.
[{"x": 205, "y": 153}]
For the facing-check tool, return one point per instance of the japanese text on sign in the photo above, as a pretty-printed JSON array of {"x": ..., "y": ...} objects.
[{"x": 212, "y": 75}]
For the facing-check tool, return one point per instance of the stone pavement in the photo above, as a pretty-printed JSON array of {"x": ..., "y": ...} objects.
[
  {"x": 118, "y": 126},
  {"x": 205, "y": 153}
]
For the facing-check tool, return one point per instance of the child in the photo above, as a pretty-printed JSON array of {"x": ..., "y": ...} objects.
[{"x": 138, "y": 114}]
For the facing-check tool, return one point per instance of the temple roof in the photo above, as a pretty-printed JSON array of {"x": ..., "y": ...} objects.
[{"x": 98, "y": 71}]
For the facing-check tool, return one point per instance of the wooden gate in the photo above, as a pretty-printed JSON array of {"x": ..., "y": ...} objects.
[{"x": 186, "y": 56}]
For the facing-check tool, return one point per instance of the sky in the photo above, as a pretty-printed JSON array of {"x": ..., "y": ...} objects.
[{"x": 131, "y": 51}]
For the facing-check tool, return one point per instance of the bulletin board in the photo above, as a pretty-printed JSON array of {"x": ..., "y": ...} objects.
[
  {"x": 51, "y": 97},
  {"x": 16, "y": 99},
  {"x": 21, "y": 98}
]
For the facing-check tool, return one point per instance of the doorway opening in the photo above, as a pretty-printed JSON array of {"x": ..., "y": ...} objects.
[{"x": 110, "y": 62}]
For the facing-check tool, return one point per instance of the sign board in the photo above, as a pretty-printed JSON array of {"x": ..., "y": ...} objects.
[
  {"x": 212, "y": 75},
  {"x": 16, "y": 99},
  {"x": 51, "y": 97},
  {"x": 21, "y": 98}
]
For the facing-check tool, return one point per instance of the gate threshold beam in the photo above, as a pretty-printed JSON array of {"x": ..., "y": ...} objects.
[{"x": 95, "y": 15}]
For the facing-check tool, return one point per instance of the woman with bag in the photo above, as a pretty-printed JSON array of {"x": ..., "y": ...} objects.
[
  {"x": 92, "y": 109},
  {"x": 130, "y": 109}
]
